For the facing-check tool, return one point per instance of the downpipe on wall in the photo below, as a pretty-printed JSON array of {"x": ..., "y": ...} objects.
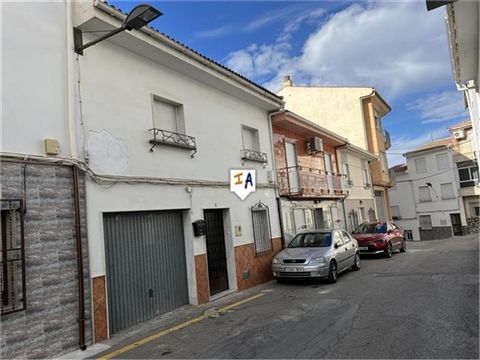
[{"x": 78, "y": 238}]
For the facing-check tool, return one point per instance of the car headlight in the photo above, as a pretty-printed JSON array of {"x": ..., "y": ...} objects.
[
  {"x": 318, "y": 260},
  {"x": 276, "y": 260}
]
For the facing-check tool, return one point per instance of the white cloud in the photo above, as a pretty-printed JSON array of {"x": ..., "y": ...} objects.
[
  {"x": 214, "y": 33},
  {"x": 403, "y": 144},
  {"x": 397, "y": 47},
  {"x": 440, "y": 107}
]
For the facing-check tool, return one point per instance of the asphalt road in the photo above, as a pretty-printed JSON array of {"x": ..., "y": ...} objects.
[{"x": 421, "y": 304}]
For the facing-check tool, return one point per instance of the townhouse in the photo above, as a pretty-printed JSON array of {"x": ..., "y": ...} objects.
[
  {"x": 136, "y": 137},
  {"x": 465, "y": 158},
  {"x": 425, "y": 197},
  {"x": 462, "y": 18},
  {"x": 356, "y": 113}
]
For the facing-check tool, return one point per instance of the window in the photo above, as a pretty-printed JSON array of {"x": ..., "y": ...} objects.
[
  {"x": 378, "y": 119},
  {"x": 476, "y": 210},
  {"x": 383, "y": 162},
  {"x": 362, "y": 214},
  {"x": 408, "y": 234},
  {"x": 447, "y": 191},
  {"x": 366, "y": 178},
  {"x": 420, "y": 166},
  {"x": 395, "y": 212},
  {"x": 168, "y": 115},
  {"x": 424, "y": 194},
  {"x": 337, "y": 239},
  {"x": 261, "y": 228},
  {"x": 468, "y": 173},
  {"x": 425, "y": 222},
  {"x": 442, "y": 161},
  {"x": 12, "y": 249},
  {"x": 250, "y": 138},
  {"x": 346, "y": 237}
]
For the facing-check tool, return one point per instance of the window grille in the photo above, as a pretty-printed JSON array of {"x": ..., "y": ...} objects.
[
  {"x": 261, "y": 228},
  {"x": 12, "y": 249}
]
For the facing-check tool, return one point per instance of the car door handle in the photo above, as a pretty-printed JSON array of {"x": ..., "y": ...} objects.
[{"x": 346, "y": 249}]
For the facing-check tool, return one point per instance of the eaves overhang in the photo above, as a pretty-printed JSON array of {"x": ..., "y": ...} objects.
[
  {"x": 359, "y": 151},
  {"x": 158, "y": 47}
]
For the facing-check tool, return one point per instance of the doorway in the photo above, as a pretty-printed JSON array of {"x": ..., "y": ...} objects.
[
  {"x": 216, "y": 251},
  {"x": 456, "y": 224},
  {"x": 292, "y": 167}
]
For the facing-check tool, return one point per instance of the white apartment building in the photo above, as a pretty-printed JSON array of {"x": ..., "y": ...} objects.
[{"x": 425, "y": 198}]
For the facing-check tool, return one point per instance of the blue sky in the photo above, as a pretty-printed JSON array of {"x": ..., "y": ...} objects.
[{"x": 396, "y": 46}]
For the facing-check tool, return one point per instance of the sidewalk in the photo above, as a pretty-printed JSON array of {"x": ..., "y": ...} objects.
[{"x": 164, "y": 322}]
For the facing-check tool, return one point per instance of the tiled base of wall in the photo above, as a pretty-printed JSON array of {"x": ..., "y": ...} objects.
[
  {"x": 437, "y": 233},
  {"x": 202, "y": 278},
  {"x": 251, "y": 269},
  {"x": 99, "y": 309}
]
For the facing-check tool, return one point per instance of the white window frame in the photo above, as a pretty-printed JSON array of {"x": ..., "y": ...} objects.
[
  {"x": 366, "y": 175},
  {"x": 447, "y": 197},
  {"x": 255, "y": 140},
  {"x": 395, "y": 214},
  {"x": 424, "y": 199},
  {"x": 417, "y": 161},
  {"x": 430, "y": 227},
  {"x": 471, "y": 178},
  {"x": 179, "y": 114},
  {"x": 437, "y": 157}
]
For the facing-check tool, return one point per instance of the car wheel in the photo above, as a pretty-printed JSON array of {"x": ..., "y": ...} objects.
[
  {"x": 356, "y": 262},
  {"x": 389, "y": 251},
  {"x": 332, "y": 272},
  {"x": 404, "y": 246}
]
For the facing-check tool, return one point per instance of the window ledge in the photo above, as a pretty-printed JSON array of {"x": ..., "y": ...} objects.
[{"x": 170, "y": 138}]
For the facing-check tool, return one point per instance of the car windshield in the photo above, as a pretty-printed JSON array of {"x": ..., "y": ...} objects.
[
  {"x": 371, "y": 228},
  {"x": 311, "y": 240}
]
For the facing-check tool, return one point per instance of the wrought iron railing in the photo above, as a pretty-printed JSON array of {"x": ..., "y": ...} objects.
[
  {"x": 307, "y": 182},
  {"x": 254, "y": 155},
  {"x": 170, "y": 138},
  {"x": 12, "y": 261}
]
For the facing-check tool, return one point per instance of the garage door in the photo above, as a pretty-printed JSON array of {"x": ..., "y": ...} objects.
[{"x": 146, "y": 267}]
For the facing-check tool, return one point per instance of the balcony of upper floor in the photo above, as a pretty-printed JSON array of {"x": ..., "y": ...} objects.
[
  {"x": 301, "y": 183},
  {"x": 387, "y": 141}
]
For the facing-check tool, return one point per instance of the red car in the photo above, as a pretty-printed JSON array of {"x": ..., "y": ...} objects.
[{"x": 379, "y": 238}]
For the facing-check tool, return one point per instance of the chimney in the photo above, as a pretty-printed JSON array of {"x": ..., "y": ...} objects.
[{"x": 287, "y": 81}]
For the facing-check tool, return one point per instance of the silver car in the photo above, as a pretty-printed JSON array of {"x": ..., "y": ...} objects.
[{"x": 317, "y": 254}]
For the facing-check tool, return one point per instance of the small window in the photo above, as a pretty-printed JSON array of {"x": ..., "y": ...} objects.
[
  {"x": 424, "y": 194},
  {"x": 12, "y": 249},
  {"x": 408, "y": 234},
  {"x": 261, "y": 229},
  {"x": 395, "y": 212},
  {"x": 425, "y": 222},
  {"x": 337, "y": 239},
  {"x": 384, "y": 162},
  {"x": 250, "y": 138},
  {"x": 476, "y": 210},
  {"x": 168, "y": 115},
  {"x": 442, "y": 161},
  {"x": 346, "y": 237},
  {"x": 420, "y": 165},
  {"x": 366, "y": 179},
  {"x": 447, "y": 191},
  {"x": 378, "y": 119}
]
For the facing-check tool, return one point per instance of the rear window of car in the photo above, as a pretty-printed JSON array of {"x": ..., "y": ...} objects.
[
  {"x": 306, "y": 240},
  {"x": 371, "y": 228}
]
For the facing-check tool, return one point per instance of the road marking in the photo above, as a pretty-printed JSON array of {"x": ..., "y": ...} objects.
[{"x": 176, "y": 328}]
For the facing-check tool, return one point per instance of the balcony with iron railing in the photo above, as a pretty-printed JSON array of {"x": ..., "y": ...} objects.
[
  {"x": 388, "y": 142},
  {"x": 254, "y": 155},
  {"x": 298, "y": 182},
  {"x": 170, "y": 138}
]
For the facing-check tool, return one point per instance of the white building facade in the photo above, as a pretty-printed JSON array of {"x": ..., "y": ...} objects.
[
  {"x": 425, "y": 198},
  {"x": 153, "y": 129}
]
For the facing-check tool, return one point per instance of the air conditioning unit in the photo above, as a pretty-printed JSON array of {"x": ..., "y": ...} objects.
[
  {"x": 459, "y": 134},
  {"x": 315, "y": 145}
]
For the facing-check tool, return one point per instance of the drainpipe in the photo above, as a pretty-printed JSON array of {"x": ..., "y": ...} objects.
[
  {"x": 274, "y": 169},
  {"x": 78, "y": 238}
]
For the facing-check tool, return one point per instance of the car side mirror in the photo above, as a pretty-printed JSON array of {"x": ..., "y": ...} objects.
[
  {"x": 337, "y": 245},
  {"x": 390, "y": 231}
]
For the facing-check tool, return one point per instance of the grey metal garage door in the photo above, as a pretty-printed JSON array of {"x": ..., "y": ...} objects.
[{"x": 146, "y": 266}]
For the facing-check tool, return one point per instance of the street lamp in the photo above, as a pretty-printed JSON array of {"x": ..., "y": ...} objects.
[{"x": 140, "y": 16}]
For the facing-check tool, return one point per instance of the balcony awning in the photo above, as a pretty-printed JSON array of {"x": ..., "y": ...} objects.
[{"x": 433, "y": 4}]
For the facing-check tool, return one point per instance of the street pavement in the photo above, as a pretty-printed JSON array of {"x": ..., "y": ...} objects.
[{"x": 421, "y": 304}]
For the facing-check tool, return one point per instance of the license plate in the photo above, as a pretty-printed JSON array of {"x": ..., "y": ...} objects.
[
  {"x": 293, "y": 269},
  {"x": 363, "y": 247}
]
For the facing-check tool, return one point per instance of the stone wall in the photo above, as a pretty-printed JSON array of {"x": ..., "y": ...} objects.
[
  {"x": 437, "y": 233},
  {"x": 48, "y": 326},
  {"x": 473, "y": 225}
]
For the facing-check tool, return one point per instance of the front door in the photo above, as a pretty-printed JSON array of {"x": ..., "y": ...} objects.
[
  {"x": 456, "y": 224},
  {"x": 292, "y": 167},
  {"x": 216, "y": 253}
]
